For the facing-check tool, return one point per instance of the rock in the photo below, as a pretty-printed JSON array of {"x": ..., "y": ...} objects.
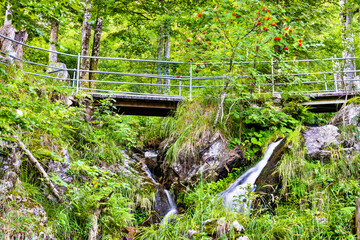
[
  {"x": 243, "y": 238},
  {"x": 191, "y": 233},
  {"x": 318, "y": 139},
  {"x": 348, "y": 115},
  {"x": 238, "y": 227},
  {"x": 10, "y": 161},
  {"x": 69, "y": 100},
  {"x": 18, "y": 208},
  {"x": 223, "y": 227},
  {"x": 211, "y": 158},
  {"x": 321, "y": 220},
  {"x": 210, "y": 226},
  {"x": 19, "y": 112},
  {"x": 151, "y": 155},
  {"x": 62, "y": 74},
  {"x": 216, "y": 227}
]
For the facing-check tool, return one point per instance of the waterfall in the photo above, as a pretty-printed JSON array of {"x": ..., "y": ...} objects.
[
  {"x": 235, "y": 196},
  {"x": 172, "y": 210}
]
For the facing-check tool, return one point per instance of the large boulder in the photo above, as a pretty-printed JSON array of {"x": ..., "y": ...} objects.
[
  {"x": 348, "y": 115},
  {"x": 211, "y": 158},
  {"x": 319, "y": 139}
]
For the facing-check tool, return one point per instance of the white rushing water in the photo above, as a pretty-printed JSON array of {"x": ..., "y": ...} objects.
[
  {"x": 236, "y": 195},
  {"x": 172, "y": 210}
]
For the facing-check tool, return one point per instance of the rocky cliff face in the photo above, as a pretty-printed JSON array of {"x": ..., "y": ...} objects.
[
  {"x": 14, "y": 203},
  {"x": 212, "y": 159}
]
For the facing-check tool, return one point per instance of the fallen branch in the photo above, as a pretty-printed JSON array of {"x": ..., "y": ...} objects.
[{"x": 40, "y": 169}]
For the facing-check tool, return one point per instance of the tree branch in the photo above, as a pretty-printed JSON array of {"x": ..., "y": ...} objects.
[{"x": 40, "y": 169}]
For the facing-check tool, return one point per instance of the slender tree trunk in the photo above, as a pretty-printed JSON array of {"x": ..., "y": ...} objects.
[
  {"x": 54, "y": 38},
  {"x": 11, "y": 48},
  {"x": 7, "y": 14},
  {"x": 167, "y": 56},
  {"x": 159, "y": 57},
  {"x": 95, "y": 51},
  {"x": 347, "y": 36},
  {"x": 85, "y": 42}
]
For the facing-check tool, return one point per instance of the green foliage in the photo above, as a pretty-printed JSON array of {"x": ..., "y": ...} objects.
[{"x": 33, "y": 109}]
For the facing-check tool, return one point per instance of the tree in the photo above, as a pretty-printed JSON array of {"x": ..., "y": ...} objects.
[
  {"x": 347, "y": 35},
  {"x": 85, "y": 41}
]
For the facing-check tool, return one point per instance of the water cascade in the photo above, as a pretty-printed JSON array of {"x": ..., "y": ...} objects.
[
  {"x": 171, "y": 210},
  {"x": 235, "y": 196}
]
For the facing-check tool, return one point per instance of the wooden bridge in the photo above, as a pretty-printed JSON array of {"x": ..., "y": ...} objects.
[
  {"x": 329, "y": 102},
  {"x": 144, "y": 105},
  {"x": 155, "y": 88}
]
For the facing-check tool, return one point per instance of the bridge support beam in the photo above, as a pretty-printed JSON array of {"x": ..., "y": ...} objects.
[{"x": 143, "y": 105}]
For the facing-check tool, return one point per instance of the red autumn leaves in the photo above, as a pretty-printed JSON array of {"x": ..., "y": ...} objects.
[
  {"x": 266, "y": 19},
  {"x": 264, "y": 14}
]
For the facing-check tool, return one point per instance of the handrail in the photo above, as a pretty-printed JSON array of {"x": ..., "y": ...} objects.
[{"x": 190, "y": 79}]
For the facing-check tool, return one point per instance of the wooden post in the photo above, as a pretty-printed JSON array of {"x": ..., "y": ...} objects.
[{"x": 357, "y": 218}]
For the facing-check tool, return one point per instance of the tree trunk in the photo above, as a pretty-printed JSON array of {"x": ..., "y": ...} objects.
[
  {"x": 159, "y": 57},
  {"x": 11, "y": 48},
  {"x": 347, "y": 36},
  {"x": 54, "y": 37},
  {"x": 95, "y": 51},
  {"x": 85, "y": 43},
  {"x": 167, "y": 56},
  {"x": 7, "y": 14}
]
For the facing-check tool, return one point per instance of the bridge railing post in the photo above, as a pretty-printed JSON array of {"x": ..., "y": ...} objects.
[
  {"x": 78, "y": 73},
  {"x": 180, "y": 86},
  {"x": 190, "y": 80}
]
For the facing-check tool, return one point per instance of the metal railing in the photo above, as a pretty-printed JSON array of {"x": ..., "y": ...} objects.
[{"x": 185, "y": 78}]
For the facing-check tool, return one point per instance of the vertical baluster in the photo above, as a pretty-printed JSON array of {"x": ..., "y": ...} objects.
[
  {"x": 78, "y": 73},
  {"x": 326, "y": 88}
]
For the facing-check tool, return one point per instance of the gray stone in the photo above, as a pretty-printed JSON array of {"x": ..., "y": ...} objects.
[
  {"x": 243, "y": 238},
  {"x": 318, "y": 139},
  {"x": 190, "y": 234},
  {"x": 223, "y": 227},
  {"x": 210, "y": 157},
  {"x": 151, "y": 155},
  {"x": 238, "y": 227},
  {"x": 62, "y": 74},
  {"x": 349, "y": 115},
  {"x": 10, "y": 161},
  {"x": 321, "y": 220}
]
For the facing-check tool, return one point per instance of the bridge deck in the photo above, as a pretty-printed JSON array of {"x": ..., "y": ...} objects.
[
  {"x": 329, "y": 102},
  {"x": 145, "y": 105}
]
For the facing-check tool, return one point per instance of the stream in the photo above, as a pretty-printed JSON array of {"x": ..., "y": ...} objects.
[{"x": 171, "y": 205}]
